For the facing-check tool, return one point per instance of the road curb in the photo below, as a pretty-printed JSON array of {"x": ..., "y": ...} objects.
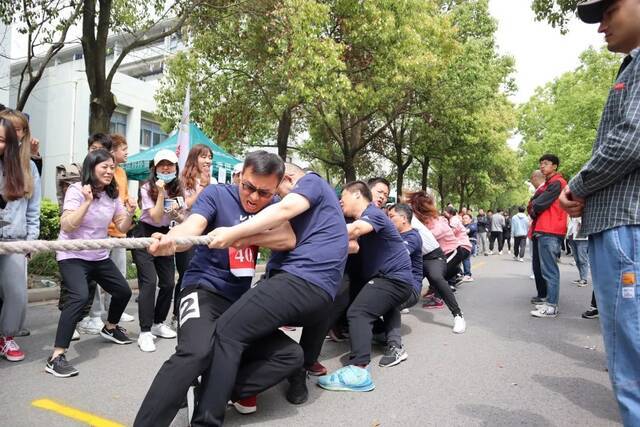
[{"x": 53, "y": 293}]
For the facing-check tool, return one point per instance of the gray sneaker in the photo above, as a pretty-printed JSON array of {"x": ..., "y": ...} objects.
[
  {"x": 393, "y": 356},
  {"x": 59, "y": 367}
]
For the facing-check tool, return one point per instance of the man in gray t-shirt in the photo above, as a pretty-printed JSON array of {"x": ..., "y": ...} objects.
[{"x": 497, "y": 227}]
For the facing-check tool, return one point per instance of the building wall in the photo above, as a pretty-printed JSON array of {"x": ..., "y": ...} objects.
[
  {"x": 59, "y": 114},
  {"x": 5, "y": 51}
]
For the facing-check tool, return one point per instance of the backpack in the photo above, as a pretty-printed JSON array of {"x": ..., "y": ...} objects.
[{"x": 66, "y": 175}]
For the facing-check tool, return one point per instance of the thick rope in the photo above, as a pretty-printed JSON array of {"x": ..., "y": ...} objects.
[{"x": 31, "y": 246}]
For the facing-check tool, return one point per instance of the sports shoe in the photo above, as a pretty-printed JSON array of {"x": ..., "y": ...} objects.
[
  {"x": 581, "y": 283},
  {"x": 163, "y": 331},
  {"x": 546, "y": 311},
  {"x": 10, "y": 350},
  {"x": 91, "y": 325},
  {"x": 246, "y": 406},
  {"x": 348, "y": 378},
  {"x": 76, "y": 335},
  {"x": 466, "y": 279},
  {"x": 592, "y": 313},
  {"x": 393, "y": 356},
  {"x": 317, "y": 370},
  {"x": 500, "y": 253},
  {"x": 145, "y": 342},
  {"x": 59, "y": 367},
  {"x": 434, "y": 303},
  {"x": 538, "y": 300},
  {"x": 126, "y": 318},
  {"x": 459, "y": 325},
  {"x": 490, "y": 253},
  {"x": 298, "y": 393},
  {"x": 404, "y": 311},
  {"x": 23, "y": 333},
  {"x": 532, "y": 277},
  {"x": 117, "y": 335},
  {"x": 540, "y": 306},
  {"x": 522, "y": 260}
]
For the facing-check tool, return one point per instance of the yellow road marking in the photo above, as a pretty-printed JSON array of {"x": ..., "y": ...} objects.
[{"x": 75, "y": 414}]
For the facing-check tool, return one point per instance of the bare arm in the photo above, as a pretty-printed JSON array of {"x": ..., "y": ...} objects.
[
  {"x": 281, "y": 238},
  {"x": 165, "y": 246},
  {"x": 71, "y": 219},
  {"x": 358, "y": 228}
]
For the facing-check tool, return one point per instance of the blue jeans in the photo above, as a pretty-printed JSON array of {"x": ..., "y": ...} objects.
[
  {"x": 466, "y": 264},
  {"x": 549, "y": 247},
  {"x": 615, "y": 268},
  {"x": 580, "y": 251}
]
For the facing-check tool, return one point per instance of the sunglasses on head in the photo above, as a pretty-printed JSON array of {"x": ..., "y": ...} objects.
[{"x": 250, "y": 188}]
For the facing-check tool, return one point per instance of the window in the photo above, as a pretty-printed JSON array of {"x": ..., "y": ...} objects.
[
  {"x": 150, "y": 134},
  {"x": 118, "y": 123}
]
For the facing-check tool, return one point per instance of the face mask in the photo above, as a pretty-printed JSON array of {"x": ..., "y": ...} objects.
[{"x": 166, "y": 177}]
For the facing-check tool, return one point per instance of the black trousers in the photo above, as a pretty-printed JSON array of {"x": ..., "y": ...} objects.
[
  {"x": 434, "y": 270},
  {"x": 506, "y": 238},
  {"x": 519, "y": 246},
  {"x": 282, "y": 299},
  {"x": 496, "y": 235},
  {"x": 77, "y": 274},
  {"x": 393, "y": 319},
  {"x": 182, "y": 263},
  {"x": 453, "y": 265},
  {"x": 377, "y": 297},
  {"x": 151, "y": 271},
  {"x": 63, "y": 296},
  {"x": 264, "y": 363},
  {"x": 541, "y": 285}
]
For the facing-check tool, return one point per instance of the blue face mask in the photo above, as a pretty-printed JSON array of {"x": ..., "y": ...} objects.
[{"x": 166, "y": 177}]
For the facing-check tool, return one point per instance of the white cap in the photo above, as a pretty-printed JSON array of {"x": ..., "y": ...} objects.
[
  {"x": 165, "y": 155},
  {"x": 237, "y": 168}
]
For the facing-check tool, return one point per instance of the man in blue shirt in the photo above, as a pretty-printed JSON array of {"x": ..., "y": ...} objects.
[
  {"x": 300, "y": 285},
  {"x": 214, "y": 280},
  {"x": 386, "y": 268}
]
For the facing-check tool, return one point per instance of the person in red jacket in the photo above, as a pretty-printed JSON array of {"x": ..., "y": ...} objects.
[{"x": 549, "y": 228}]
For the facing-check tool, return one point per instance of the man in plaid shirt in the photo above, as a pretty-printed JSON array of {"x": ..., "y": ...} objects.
[{"x": 606, "y": 192}]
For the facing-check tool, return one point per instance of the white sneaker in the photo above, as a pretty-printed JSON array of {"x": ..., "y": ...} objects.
[
  {"x": 459, "y": 325},
  {"x": 521, "y": 259},
  {"x": 500, "y": 253},
  {"x": 163, "y": 331},
  {"x": 540, "y": 306},
  {"x": 91, "y": 325},
  {"x": 467, "y": 279},
  {"x": 145, "y": 342},
  {"x": 490, "y": 253},
  {"x": 76, "y": 335},
  {"x": 546, "y": 311},
  {"x": 404, "y": 311},
  {"x": 509, "y": 251},
  {"x": 532, "y": 277},
  {"x": 126, "y": 318}
]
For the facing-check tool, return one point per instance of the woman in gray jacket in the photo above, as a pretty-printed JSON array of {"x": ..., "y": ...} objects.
[{"x": 19, "y": 220}]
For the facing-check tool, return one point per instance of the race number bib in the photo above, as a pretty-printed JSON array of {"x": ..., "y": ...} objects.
[{"x": 242, "y": 262}]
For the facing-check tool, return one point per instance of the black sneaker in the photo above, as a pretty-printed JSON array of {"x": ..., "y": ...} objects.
[
  {"x": 298, "y": 392},
  {"x": 118, "y": 335},
  {"x": 59, "y": 367},
  {"x": 538, "y": 300},
  {"x": 393, "y": 356},
  {"x": 592, "y": 313}
]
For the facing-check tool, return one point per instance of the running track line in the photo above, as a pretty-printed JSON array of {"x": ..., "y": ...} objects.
[{"x": 75, "y": 414}]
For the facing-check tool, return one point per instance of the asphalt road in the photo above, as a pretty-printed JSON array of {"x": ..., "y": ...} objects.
[{"x": 507, "y": 369}]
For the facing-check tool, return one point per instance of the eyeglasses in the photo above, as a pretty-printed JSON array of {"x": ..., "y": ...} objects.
[{"x": 250, "y": 188}]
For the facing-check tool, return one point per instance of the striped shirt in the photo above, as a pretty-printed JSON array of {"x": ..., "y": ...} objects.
[{"x": 610, "y": 180}]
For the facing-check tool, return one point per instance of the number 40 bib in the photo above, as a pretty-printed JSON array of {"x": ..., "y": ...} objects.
[{"x": 242, "y": 262}]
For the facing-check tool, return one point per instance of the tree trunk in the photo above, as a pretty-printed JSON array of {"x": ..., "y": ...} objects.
[
  {"x": 349, "y": 168},
  {"x": 284, "y": 129},
  {"x": 441, "y": 190},
  {"x": 425, "y": 173},
  {"x": 100, "y": 110},
  {"x": 463, "y": 187}
]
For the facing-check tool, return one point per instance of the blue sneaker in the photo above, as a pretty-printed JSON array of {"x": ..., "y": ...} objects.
[{"x": 349, "y": 378}]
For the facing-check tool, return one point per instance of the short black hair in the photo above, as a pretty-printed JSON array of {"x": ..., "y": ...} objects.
[
  {"x": 264, "y": 163},
  {"x": 371, "y": 182},
  {"x": 550, "y": 157},
  {"x": 88, "y": 177},
  {"x": 521, "y": 209},
  {"x": 361, "y": 187},
  {"x": 404, "y": 210},
  {"x": 451, "y": 210},
  {"x": 103, "y": 139},
  {"x": 2, "y": 108}
]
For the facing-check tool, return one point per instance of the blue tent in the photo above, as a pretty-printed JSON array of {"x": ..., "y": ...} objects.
[{"x": 137, "y": 166}]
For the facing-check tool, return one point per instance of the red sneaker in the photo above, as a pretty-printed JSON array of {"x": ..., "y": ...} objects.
[
  {"x": 317, "y": 370},
  {"x": 246, "y": 406},
  {"x": 10, "y": 350},
  {"x": 433, "y": 303}
]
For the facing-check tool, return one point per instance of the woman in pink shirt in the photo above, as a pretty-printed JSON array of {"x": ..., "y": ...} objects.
[
  {"x": 89, "y": 207},
  {"x": 463, "y": 248}
]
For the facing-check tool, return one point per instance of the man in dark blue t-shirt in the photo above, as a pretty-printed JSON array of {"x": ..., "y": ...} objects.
[
  {"x": 386, "y": 267},
  {"x": 215, "y": 279},
  {"x": 300, "y": 286},
  {"x": 401, "y": 216}
]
